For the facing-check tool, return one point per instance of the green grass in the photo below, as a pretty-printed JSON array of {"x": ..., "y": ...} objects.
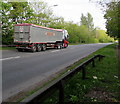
[
  {"x": 7, "y": 48},
  {"x": 102, "y": 79}
]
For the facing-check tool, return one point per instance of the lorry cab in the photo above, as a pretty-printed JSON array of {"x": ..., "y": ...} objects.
[
  {"x": 65, "y": 35},
  {"x": 65, "y": 38}
]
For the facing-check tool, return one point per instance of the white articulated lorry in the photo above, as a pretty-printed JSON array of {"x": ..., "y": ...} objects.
[{"x": 36, "y": 38}]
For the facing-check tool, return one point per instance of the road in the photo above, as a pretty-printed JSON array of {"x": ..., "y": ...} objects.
[{"x": 21, "y": 70}]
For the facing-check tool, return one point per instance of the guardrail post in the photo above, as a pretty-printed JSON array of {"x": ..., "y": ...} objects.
[
  {"x": 99, "y": 58},
  {"x": 61, "y": 92},
  {"x": 83, "y": 72},
  {"x": 93, "y": 63}
]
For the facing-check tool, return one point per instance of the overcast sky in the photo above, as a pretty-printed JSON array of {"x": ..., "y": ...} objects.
[{"x": 71, "y": 10}]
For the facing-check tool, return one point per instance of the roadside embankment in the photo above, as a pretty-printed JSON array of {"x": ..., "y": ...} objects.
[{"x": 102, "y": 83}]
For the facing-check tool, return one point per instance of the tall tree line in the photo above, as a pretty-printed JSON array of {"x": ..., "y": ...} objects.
[
  {"x": 41, "y": 14},
  {"x": 112, "y": 15},
  {"x": 111, "y": 9}
]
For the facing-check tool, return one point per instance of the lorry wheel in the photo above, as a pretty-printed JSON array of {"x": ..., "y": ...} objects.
[
  {"x": 20, "y": 50},
  {"x": 43, "y": 47},
  {"x": 39, "y": 48},
  {"x": 33, "y": 49},
  {"x": 59, "y": 47}
]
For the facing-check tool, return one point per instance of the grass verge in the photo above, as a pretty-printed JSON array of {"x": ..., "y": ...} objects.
[
  {"x": 102, "y": 83},
  {"x": 7, "y": 48}
]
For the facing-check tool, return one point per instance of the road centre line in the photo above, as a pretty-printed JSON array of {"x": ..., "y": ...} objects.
[{"x": 9, "y": 58}]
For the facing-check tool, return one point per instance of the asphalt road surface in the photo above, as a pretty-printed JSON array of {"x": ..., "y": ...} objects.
[{"x": 20, "y": 70}]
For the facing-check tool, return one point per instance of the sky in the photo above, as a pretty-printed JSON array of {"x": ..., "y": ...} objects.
[{"x": 71, "y": 10}]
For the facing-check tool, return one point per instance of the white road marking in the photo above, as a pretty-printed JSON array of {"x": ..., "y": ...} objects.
[
  {"x": 9, "y": 58},
  {"x": 55, "y": 51}
]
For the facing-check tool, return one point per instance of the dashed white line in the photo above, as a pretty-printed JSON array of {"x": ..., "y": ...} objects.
[{"x": 9, "y": 58}]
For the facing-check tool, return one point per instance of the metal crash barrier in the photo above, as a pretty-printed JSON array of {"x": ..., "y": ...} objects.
[{"x": 58, "y": 84}]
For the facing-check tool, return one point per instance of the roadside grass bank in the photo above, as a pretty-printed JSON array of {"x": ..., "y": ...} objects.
[
  {"x": 101, "y": 85},
  {"x": 7, "y": 48},
  {"x": 83, "y": 43}
]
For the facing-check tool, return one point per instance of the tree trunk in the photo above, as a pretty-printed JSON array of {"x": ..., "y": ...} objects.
[
  {"x": 119, "y": 43},
  {"x": 118, "y": 53}
]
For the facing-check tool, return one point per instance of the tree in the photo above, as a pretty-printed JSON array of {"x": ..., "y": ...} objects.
[
  {"x": 73, "y": 32},
  {"x": 42, "y": 13},
  {"x": 90, "y": 23},
  {"x": 83, "y": 20},
  {"x": 6, "y": 24},
  {"x": 83, "y": 34},
  {"x": 20, "y": 12},
  {"x": 111, "y": 9},
  {"x": 112, "y": 16},
  {"x": 87, "y": 21},
  {"x": 13, "y": 13},
  {"x": 57, "y": 23}
]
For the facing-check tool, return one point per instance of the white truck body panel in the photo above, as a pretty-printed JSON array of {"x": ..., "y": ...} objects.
[
  {"x": 37, "y": 34},
  {"x": 44, "y": 35}
]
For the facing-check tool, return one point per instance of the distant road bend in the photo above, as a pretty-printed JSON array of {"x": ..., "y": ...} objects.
[{"x": 20, "y": 70}]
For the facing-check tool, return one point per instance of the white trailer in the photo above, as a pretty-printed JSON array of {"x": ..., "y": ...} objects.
[{"x": 36, "y": 38}]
